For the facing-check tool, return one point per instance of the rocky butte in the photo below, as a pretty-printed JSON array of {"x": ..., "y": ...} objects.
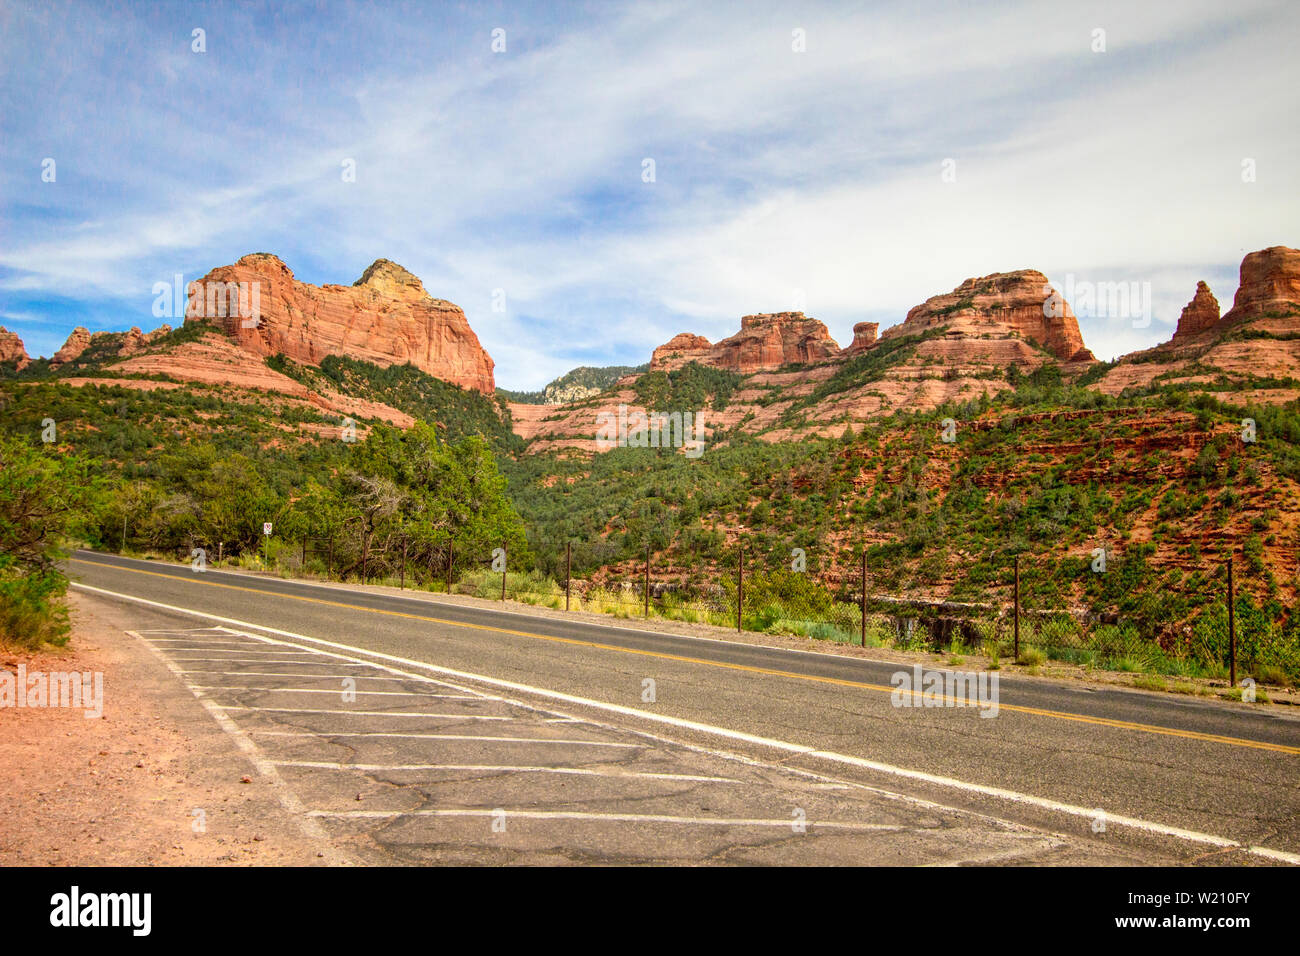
[
  {"x": 1266, "y": 305},
  {"x": 764, "y": 342},
  {"x": 127, "y": 343},
  {"x": 997, "y": 303},
  {"x": 12, "y": 349},
  {"x": 385, "y": 317},
  {"x": 1200, "y": 315},
  {"x": 1269, "y": 285}
]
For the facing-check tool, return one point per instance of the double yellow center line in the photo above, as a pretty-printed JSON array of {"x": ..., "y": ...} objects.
[{"x": 662, "y": 655}]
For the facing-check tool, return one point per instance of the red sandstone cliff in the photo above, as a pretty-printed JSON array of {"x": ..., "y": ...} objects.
[
  {"x": 864, "y": 337},
  {"x": 1199, "y": 315},
  {"x": 764, "y": 342},
  {"x": 1270, "y": 283},
  {"x": 386, "y": 318},
  {"x": 12, "y": 349},
  {"x": 1003, "y": 301},
  {"x": 679, "y": 350}
]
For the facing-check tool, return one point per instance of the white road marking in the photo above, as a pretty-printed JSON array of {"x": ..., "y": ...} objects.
[
  {"x": 361, "y": 713},
  {"x": 610, "y": 818},
  {"x": 575, "y": 771},
  {"x": 243, "y": 650},
  {"x": 1190, "y": 836},
  {"x": 288, "y": 799},
  {"x": 365, "y": 677},
  {"x": 359, "y": 693},
  {"x": 245, "y": 660},
  {"x": 188, "y": 642},
  {"x": 432, "y": 736}
]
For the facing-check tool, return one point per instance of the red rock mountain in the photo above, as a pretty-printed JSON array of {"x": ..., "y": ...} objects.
[
  {"x": 864, "y": 337},
  {"x": 680, "y": 350},
  {"x": 1267, "y": 303},
  {"x": 12, "y": 349},
  {"x": 77, "y": 343},
  {"x": 1199, "y": 315},
  {"x": 1270, "y": 283},
  {"x": 386, "y": 318},
  {"x": 131, "y": 342},
  {"x": 764, "y": 342},
  {"x": 1003, "y": 301}
]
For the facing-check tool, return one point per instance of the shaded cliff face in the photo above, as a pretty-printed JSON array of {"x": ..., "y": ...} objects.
[
  {"x": 12, "y": 349},
  {"x": 1004, "y": 302},
  {"x": 386, "y": 318},
  {"x": 764, "y": 342}
]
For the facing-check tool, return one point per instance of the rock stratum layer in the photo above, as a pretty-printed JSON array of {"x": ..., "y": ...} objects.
[
  {"x": 386, "y": 318},
  {"x": 1021, "y": 302}
]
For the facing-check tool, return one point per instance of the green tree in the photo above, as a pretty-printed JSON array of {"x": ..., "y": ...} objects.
[{"x": 43, "y": 497}]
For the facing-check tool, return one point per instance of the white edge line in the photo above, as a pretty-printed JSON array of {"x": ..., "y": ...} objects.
[{"x": 1191, "y": 836}]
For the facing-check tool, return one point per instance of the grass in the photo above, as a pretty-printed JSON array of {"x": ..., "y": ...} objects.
[
  {"x": 1031, "y": 657},
  {"x": 1150, "y": 682}
]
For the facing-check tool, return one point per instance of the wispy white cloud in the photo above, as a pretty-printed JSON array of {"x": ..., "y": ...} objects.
[{"x": 780, "y": 176}]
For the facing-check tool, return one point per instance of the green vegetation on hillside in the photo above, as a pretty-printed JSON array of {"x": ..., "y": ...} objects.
[{"x": 458, "y": 412}]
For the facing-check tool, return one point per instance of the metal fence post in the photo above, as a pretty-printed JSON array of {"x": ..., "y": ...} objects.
[
  {"x": 504, "y": 558},
  {"x": 568, "y": 571},
  {"x": 740, "y": 587},
  {"x": 647, "y": 580},
  {"x": 1232, "y": 626},
  {"x": 402, "y": 585},
  {"x": 1016, "y": 611},
  {"x": 451, "y": 544},
  {"x": 864, "y": 595}
]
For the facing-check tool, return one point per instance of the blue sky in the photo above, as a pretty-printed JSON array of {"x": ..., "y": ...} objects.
[{"x": 783, "y": 179}]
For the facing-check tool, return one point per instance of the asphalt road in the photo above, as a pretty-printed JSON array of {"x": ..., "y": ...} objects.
[{"x": 1064, "y": 773}]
